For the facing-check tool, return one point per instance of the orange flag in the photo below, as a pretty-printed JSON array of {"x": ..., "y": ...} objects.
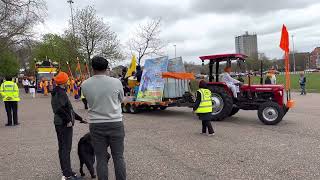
[
  {"x": 78, "y": 68},
  {"x": 70, "y": 72},
  {"x": 87, "y": 70},
  {"x": 284, "y": 43}
]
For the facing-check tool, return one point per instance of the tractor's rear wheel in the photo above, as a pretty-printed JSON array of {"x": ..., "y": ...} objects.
[
  {"x": 270, "y": 113},
  {"x": 222, "y": 103},
  {"x": 163, "y": 108},
  {"x": 234, "y": 111}
]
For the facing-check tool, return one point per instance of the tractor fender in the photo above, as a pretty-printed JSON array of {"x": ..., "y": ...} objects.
[{"x": 221, "y": 84}]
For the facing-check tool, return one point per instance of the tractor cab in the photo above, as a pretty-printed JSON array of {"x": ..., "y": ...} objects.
[{"x": 267, "y": 99}]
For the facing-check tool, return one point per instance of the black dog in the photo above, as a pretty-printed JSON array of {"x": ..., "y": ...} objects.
[{"x": 86, "y": 155}]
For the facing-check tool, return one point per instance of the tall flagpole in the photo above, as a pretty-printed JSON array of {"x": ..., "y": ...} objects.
[
  {"x": 293, "y": 53},
  {"x": 87, "y": 69},
  {"x": 69, "y": 69},
  {"x": 79, "y": 66}
]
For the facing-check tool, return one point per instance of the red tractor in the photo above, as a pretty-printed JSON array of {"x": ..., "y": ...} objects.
[{"x": 267, "y": 99}]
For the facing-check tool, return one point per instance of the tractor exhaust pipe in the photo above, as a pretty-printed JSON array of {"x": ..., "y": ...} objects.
[{"x": 261, "y": 73}]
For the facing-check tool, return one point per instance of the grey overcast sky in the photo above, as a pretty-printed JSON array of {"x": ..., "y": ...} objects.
[{"x": 202, "y": 27}]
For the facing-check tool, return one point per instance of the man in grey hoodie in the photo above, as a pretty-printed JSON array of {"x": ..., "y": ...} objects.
[{"x": 105, "y": 95}]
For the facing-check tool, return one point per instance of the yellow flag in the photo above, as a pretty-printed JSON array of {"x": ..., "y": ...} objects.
[{"x": 132, "y": 67}]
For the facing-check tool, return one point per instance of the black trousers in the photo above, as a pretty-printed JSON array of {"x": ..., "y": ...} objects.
[
  {"x": 85, "y": 102},
  {"x": 64, "y": 135},
  {"x": 104, "y": 135},
  {"x": 12, "y": 111},
  {"x": 26, "y": 89},
  {"x": 207, "y": 125}
]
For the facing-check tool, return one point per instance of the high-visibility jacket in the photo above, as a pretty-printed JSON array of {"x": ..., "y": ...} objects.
[
  {"x": 206, "y": 101},
  {"x": 9, "y": 91}
]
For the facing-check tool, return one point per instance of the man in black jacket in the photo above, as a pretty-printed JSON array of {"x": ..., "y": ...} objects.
[{"x": 64, "y": 117}]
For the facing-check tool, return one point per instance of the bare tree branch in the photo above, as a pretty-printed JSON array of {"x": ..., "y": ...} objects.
[
  {"x": 147, "y": 41},
  {"x": 95, "y": 37},
  {"x": 17, "y": 18}
]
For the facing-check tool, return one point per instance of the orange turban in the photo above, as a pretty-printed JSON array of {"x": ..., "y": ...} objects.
[
  {"x": 61, "y": 78},
  {"x": 227, "y": 69}
]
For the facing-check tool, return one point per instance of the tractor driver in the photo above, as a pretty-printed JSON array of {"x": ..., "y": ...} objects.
[{"x": 232, "y": 83}]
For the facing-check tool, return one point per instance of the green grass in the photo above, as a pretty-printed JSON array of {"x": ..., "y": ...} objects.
[{"x": 313, "y": 82}]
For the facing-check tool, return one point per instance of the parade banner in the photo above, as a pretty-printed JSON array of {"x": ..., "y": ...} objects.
[
  {"x": 175, "y": 87},
  {"x": 176, "y": 65},
  {"x": 152, "y": 83}
]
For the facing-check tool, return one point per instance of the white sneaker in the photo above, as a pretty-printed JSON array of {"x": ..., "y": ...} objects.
[
  {"x": 63, "y": 178},
  {"x": 209, "y": 135}
]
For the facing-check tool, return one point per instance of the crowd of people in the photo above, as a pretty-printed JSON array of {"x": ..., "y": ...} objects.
[
  {"x": 46, "y": 86},
  {"x": 30, "y": 85}
]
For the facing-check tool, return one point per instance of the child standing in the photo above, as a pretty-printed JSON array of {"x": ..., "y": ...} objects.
[
  {"x": 302, "y": 82},
  {"x": 203, "y": 108}
]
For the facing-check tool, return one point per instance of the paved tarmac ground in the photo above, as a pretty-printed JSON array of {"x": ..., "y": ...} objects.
[{"x": 168, "y": 145}]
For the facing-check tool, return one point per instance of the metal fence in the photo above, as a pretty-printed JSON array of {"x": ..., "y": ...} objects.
[{"x": 298, "y": 72}]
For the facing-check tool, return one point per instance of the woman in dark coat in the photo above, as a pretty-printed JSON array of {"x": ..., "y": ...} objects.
[{"x": 64, "y": 117}]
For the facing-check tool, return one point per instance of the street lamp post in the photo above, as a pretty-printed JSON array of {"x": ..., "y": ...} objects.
[
  {"x": 72, "y": 23},
  {"x": 293, "y": 55},
  {"x": 175, "y": 51}
]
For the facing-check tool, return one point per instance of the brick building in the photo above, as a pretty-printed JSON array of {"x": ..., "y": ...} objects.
[{"x": 315, "y": 58}]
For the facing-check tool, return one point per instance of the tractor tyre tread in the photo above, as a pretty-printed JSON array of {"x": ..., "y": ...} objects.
[
  {"x": 274, "y": 105},
  {"x": 227, "y": 100}
]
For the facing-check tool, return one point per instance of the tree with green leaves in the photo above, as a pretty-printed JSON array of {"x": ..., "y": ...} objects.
[
  {"x": 9, "y": 65},
  {"x": 59, "y": 49}
]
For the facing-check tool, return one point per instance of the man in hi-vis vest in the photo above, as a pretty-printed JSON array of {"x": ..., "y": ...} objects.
[
  {"x": 9, "y": 92},
  {"x": 203, "y": 108}
]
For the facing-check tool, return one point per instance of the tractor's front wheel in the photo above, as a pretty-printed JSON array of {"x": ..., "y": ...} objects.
[
  {"x": 270, "y": 113},
  {"x": 222, "y": 103}
]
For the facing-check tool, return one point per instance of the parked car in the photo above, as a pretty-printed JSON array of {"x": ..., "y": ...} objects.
[{"x": 311, "y": 70}]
